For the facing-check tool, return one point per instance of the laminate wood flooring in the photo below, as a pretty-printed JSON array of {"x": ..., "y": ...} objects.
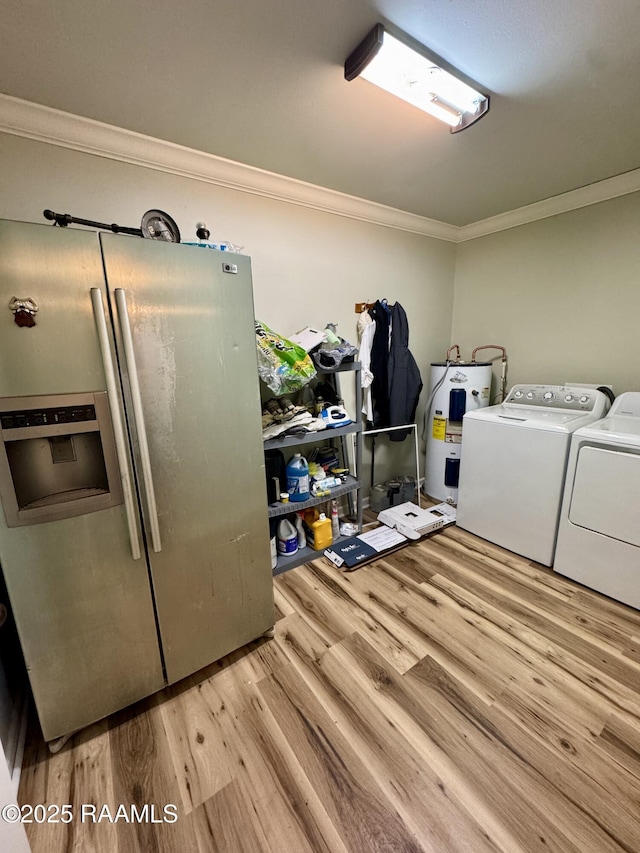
[{"x": 452, "y": 697}]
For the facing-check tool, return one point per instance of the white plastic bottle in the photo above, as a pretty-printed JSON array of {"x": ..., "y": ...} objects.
[
  {"x": 287, "y": 537},
  {"x": 273, "y": 543},
  {"x": 302, "y": 539}
]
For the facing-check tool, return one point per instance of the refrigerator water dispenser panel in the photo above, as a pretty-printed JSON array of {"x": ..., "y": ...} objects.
[{"x": 57, "y": 457}]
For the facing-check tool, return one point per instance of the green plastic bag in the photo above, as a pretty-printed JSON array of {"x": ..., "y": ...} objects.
[{"x": 284, "y": 366}]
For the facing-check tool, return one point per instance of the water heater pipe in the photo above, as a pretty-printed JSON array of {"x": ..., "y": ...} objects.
[
  {"x": 489, "y": 346},
  {"x": 503, "y": 372},
  {"x": 453, "y": 346}
]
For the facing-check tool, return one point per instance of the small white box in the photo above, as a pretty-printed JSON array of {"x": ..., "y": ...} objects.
[
  {"x": 414, "y": 522},
  {"x": 308, "y": 338}
]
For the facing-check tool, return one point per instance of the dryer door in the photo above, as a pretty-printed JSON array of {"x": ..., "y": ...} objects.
[{"x": 606, "y": 493}]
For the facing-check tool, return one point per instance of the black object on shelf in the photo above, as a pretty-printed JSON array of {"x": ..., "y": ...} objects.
[
  {"x": 155, "y": 225},
  {"x": 276, "y": 472}
]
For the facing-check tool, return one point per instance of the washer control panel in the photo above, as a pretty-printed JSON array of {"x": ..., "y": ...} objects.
[{"x": 562, "y": 397}]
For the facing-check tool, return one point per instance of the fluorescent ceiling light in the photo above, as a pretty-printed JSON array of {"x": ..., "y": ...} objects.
[{"x": 391, "y": 64}]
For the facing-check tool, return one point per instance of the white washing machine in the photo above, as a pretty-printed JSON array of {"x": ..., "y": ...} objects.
[
  {"x": 514, "y": 462},
  {"x": 599, "y": 533}
]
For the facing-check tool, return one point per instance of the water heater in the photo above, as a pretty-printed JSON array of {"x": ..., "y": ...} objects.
[{"x": 454, "y": 388}]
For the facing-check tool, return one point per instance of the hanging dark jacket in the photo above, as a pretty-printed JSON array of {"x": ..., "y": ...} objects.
[
  {"x": 379, "y": 366},
  {"x": 405, "y": 382}
]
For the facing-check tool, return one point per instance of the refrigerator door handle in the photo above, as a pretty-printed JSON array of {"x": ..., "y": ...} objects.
[
  {"x": 116, "y": 418},
  {"x": 132, "y": 370}
]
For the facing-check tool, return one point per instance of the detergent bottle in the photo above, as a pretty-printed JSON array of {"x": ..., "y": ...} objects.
[
  {"x": 319, "y": 534},
  {"x": 298, "y": 478},
  {"x": 287, "y": 537}
]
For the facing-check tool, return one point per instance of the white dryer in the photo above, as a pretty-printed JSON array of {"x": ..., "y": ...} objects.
[
  {"x": 514, "y": 462},
  {"x": 599, "y": 534}
]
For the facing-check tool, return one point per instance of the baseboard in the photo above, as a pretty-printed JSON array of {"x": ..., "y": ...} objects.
[
  {"x": 16, "y": 735},
  {"x": 20, "y": 742}
]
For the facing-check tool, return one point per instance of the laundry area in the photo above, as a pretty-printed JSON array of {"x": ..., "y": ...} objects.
[{"x": 319, "y": 428}]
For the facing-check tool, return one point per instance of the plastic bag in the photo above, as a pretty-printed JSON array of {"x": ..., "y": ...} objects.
[
  {"x": 334, "y": 350},
  {"x": 282, "y": 365},
  {"x": 330, "y": 359}
]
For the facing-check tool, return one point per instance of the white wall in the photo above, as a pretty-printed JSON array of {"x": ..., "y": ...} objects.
[
  {"x": 309, "y": 267},
  {"x": 562, "y": 294}
]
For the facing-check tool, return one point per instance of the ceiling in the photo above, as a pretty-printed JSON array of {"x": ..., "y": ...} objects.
[{"x": 262, "y": 83}]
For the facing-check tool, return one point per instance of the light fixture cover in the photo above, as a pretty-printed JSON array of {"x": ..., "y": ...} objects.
[{"x": 390, "y": 63}]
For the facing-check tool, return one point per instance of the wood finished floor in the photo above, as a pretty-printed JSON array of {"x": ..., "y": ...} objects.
[{"x": 453, "y": 697}]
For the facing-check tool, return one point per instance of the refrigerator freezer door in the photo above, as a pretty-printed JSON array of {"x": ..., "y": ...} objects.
[
  {"x": 55, "y": 268},
  {"x": 82, "y": 605},
  {"x": 84, "y": 614},
  {"x": 192, "y": 329}
]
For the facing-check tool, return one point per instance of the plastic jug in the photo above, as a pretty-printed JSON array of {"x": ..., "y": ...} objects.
[
  {"x": 273, "y": 542},
  {"x": 319, "y": 534},
  {"x": 287, "y": 537},
  {"x": 298, "y": 478}
]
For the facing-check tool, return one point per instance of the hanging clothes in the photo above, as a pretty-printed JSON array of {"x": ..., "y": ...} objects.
[
  {"x": 403, "y": 376},
  {"x": 364, "y": 319},
  {"x": 366, "y": 331},
  {"x": 379, "y": 365}
]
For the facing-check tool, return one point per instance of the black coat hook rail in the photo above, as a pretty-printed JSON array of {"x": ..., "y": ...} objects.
[{"x": 64, "y": 219}]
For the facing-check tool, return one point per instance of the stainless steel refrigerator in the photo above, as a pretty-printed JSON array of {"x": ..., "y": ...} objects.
[{"x": 134, "y": 538}]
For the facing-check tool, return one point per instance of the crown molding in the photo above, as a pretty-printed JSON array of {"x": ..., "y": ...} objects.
[
  {"x": 620, "y": 185},
  {"x": 54, "y": 127}
]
